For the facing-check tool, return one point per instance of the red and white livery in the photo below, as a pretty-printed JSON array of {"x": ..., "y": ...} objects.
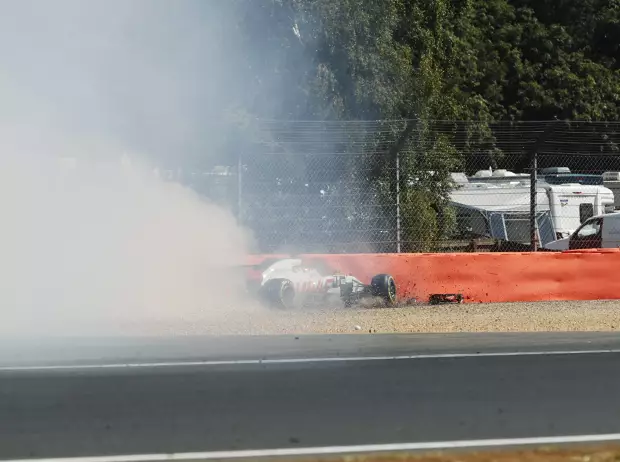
[{"x": 288, "y": 283}]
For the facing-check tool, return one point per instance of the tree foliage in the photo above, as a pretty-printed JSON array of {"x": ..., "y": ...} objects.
[{"x": 430, "y": 60}]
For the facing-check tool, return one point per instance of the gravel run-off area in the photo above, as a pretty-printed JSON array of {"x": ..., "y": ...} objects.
[
  {"x": 495, "y": 317},
  {"x": 596, "y": 453}
]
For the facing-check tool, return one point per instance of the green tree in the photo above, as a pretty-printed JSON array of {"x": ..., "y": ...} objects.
[{"x": 428, "y": 61}]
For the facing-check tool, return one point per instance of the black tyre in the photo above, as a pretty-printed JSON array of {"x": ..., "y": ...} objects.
[
  {"x": 280, "y": 293},
  {"x": 384, "y": 286}
]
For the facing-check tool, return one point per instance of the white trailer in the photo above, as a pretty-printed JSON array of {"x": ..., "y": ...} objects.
[
  {"x": 572, "y": 204},
  {"x": 611, "y": 180},
  {"x": 502, "y": 210}
]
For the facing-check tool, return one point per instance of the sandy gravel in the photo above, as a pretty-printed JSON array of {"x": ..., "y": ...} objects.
[
  {"x": 589, "y": 453},
  {"x": 508, "y": 317}
]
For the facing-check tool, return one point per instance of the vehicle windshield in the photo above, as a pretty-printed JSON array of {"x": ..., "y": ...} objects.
[{"x": 590, "y": 228}]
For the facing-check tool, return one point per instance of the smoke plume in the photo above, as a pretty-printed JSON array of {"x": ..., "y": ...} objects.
[{"x": 91, "y": 242}]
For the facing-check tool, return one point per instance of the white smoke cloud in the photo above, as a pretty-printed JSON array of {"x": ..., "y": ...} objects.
[{"x": 99, "y": 248}]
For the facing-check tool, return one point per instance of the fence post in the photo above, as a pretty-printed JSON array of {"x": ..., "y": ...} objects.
[
  {"x": 239, "y": 187},
  {"x": 549, "y": 129},
  {"x": 398, "y": 202},
  {"x": 394, "y": 155},
  {"x": 533, "y": 191}
]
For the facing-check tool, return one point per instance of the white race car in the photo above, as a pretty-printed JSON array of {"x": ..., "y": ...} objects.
[{"x": 288, "y": 283}]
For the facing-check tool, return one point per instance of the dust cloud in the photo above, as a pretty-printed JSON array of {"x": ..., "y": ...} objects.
[
  {"x": 95, "y": 95},
  {"x": 108, "y": 247}
]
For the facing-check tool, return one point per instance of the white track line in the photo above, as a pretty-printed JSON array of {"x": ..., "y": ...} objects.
[
  {"x": 330, "y": 450},
  {"x": 237, "y": 362}
]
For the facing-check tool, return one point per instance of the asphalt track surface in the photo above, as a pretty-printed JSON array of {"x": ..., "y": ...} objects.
[{"x": 96, "y": 397}]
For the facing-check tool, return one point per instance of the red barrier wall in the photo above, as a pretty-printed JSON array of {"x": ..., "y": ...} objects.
[{"x": 489, "y": 277}]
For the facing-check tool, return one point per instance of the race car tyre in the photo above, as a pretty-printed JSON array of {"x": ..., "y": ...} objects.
[
  {"x": 384, "y": 286},
  {"x": 280, "y": 293}
]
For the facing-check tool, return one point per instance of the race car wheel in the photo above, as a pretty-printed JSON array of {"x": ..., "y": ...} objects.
[
  {"x": 280, "y": 293},
  {"x": 384, "y": 286}
]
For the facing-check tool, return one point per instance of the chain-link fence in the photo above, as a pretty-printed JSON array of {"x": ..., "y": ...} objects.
[{"x": 412, "y": 186}]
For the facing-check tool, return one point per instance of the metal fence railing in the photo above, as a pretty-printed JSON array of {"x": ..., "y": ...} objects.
[{"x": 413, "y": 186}]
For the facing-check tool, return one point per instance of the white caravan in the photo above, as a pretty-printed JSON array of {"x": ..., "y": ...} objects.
[
  {"x": 501, "y": 210},
  {"x": 573, "y": 204},
  {"x": 611, "y": 180}
]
